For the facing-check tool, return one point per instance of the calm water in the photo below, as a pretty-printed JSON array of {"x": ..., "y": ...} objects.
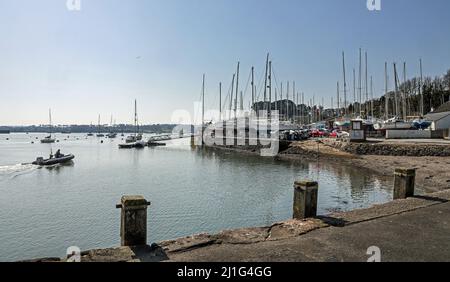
[{"x": 45, "y": 210}]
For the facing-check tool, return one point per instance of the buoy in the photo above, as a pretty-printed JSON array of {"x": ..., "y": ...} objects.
[{"x": 101, "y": 141}]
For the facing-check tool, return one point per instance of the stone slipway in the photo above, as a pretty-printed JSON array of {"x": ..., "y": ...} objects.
[{"x": 415, "y": 229}]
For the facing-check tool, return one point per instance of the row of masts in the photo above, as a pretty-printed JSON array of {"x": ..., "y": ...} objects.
[
  {"x": 363, "y": 96},
  {"x": 367, "y": 106},
  {"x": 255, "y": 106}
]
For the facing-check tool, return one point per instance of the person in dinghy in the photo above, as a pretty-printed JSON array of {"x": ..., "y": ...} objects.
[{"x": 58, "y": 158}]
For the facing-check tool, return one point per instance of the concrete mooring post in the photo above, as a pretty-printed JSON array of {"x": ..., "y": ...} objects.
[
  {"x": 305, "y": 199},
  {"x": 404, "y": 182},
  {"x": 133, "y": 220}
]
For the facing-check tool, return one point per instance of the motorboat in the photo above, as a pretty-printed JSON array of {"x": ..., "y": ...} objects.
[
  {"x": 130, "y": 139},
  {"x": 393, "y": 123},
  {"x": 137, "y": 144},
  {"x": 112, "y": 135},
  {"x": 53, "y": 160},
  {"x": 421, "y": 124},
  {"x": 155, "y": 144}
]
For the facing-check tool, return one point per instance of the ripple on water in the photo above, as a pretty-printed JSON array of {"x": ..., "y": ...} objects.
[{"x": 12, "y": 171}]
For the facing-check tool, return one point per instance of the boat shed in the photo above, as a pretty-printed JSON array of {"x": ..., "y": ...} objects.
[{"x": 439, "y": 120}]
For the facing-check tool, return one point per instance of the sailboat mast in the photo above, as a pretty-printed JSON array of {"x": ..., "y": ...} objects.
[
  {"x": 237, "y": 90},
  {"x": 371, "y": 97},
  {"x": 135, "y": 118},
  {"x": 241, "y": 102},
  {"x": 203, "y": 107},
  {"x": 293, "y": 99},
  {"x": 360, "y": 83},
  {"x": 367, "y": 89},
  {"x": 420, "y": 90},
  {"x": 386, "y": 97},
  {"x": 301, "y": 106},
  {"x": 338, "y": 99},
  {"x": 231, "y": 96},
  {"x": 270, "y": 89},
  {"x": 396, "y": 89},
  {"x": 281, "y": 98},
  {"x": 50, "y": 121},
  {"x": 287, "y": 101},
  {"x": 265, "y": 81},
  {"x": 220, "y": 100},
  {"x": 354, "y": 91},
  {"x": 276, "y": 100},
  {"x": 345, "y": 84},
  {"x": 405, "y": 98},
  {"x": 253, "y": 88}
]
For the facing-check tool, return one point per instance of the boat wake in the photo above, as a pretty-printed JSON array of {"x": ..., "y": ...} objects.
[{"x": 12, "y": 171}]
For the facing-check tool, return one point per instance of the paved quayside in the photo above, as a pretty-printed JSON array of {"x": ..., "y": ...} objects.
[{"x": 414, "y": 229}]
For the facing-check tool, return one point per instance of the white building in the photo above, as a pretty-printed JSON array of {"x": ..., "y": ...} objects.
[{"x": 440, "y": 118}]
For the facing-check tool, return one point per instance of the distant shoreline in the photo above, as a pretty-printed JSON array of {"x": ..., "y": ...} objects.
[{"x": 120, "y": 128}]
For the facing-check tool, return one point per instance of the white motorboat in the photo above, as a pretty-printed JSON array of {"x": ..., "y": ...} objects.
[{"x": 393, "y": 123}]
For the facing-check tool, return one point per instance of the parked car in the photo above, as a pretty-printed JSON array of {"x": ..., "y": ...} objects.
[
  {"x": 334, "y": 134},
  {"x": 318, "y": 133}
]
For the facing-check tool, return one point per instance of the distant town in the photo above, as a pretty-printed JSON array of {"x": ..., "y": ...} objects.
[{"x": 74, "y": 128}]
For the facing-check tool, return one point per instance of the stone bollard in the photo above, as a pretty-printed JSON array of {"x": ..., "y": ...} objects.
[
  {"x": 305, "y": 199},
  {"x": 133, "y": 220},
  {"x": 404, "y": 182}
]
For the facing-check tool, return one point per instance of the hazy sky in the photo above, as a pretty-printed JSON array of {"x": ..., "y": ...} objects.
[{"x": 97, "y": 60}]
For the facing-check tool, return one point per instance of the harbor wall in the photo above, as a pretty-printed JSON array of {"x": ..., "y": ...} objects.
[{"x": 408, "y": 134}]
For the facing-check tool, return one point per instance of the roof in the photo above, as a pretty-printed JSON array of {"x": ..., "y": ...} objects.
[
  {"x": 443, "y": 108},
  {"x": 437, "y": 116}
]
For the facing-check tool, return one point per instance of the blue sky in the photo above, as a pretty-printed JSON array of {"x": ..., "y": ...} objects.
[{"x": 97, "y": 60}]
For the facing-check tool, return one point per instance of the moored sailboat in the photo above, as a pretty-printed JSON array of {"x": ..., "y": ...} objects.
[
  {"x": 49, "y": 138},
  {"x": 99, "y": 134},
  {"x": 135, "y": 140}
]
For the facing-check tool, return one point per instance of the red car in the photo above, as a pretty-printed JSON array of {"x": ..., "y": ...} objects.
[
  {"x": 333, "y": 134},
  {"x": 318, "y": 133}
]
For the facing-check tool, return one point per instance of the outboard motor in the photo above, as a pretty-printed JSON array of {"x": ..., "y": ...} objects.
[{"x": 38, "y": 161}]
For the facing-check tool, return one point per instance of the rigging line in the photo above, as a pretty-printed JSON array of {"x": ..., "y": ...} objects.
[
  {"x": 198, "y": 112},
  {"x": 227, "y": 97},
  {"x": 260, "y": 87},
  {"x": 246, "y": 87},
  {"x": 275, "y": 79}
]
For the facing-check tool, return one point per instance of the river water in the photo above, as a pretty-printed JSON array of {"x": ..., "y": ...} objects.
[{"x": 43, "y": 211}]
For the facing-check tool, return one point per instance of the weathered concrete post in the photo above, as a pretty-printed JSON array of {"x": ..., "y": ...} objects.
[
  {"x": 404, "y": 182},
  {"x": 305, "y": 199},
  {"x": 133, "y": 220}
]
